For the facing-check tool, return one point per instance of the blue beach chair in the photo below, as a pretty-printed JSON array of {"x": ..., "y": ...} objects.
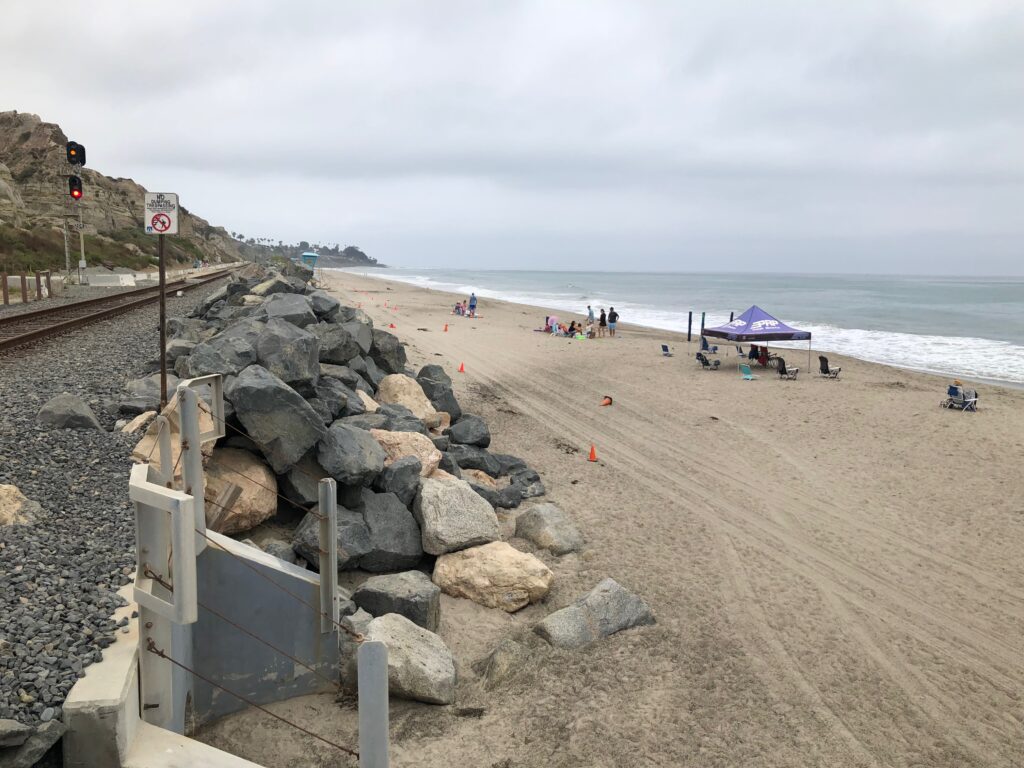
[
  {"x": 665, "y": 351},
  {"x": 745, "y": 372}
]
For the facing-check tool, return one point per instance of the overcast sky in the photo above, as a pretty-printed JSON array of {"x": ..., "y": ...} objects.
[{"x": 794, "y": 136}]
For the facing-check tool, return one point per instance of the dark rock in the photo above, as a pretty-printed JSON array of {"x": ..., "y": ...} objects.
[
  {"x": 13, "y": 733},
  {"x": 290, "y": 353},
  {"x": 321, "y": 408},
  {"x": 401, "y": 419},
  {"x": 273, "y": 284},
  {"x": 354, "y": 315},
  {"x": 177, "y": 348},
  {"x": 280, "y": 549},
  {"x": 275, "y": 416},
  {"x": 509, "y": 464},
  {"x": 340, "y": 399},
  {"x": 395, "y": 541},
  {"x": 441, "y": 442},
  {"x": 388, "y": 352},
  {"x": 375, "y": 374},
  {"x": 435, "y": 373},
  {"x": 510, "y": 497},
  {"x": 301, "y": 482},
  {"x": 470, "y": 430},
  {"x": 358, "y": 365},
  {"x": 366, "y": 421},
  {"x": 33, "y": 749},
  {"x": 210, "y": 301},
  {"x": 228, "y": 352},
  {"x": 353, "y": 539},
  {"x": 529, "y": 483},
  {"x": 144, "y": 394},
  {"x": 67, "y": 411},
  {"x": 448, "y": 465},
  {"x": 411, "y": 594},
  {"x": 323, "y": 303},
  {"x": 289, "y": 307},
  {"x": 401, "y": 477},
  {"x": 350, "y": 454},
  {"x": 303, "y": 273},
  {"x": 342, "y": 373},
  {"x": 336, "y": 344},
  {"x": 437, "y": 386},
  {"x": 362, "y": 334},
  {"x": 185, "y": 328},
  {"x": 471, "y": 457}
]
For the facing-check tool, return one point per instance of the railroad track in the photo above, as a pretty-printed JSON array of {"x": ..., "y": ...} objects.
[{"x": 28, "y": 327}]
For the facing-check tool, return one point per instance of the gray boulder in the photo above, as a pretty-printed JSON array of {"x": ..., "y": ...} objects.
[
  {"x": 274, "y": 284},
  {"x": 342, "y": 373},
  {"x": 358, "y": 364},
  {"x": 275, "y": 416},
  {"x": 471, "y": 457},
  {"x": 144, "y": 394},
  {"x": 302, "y": 273},
  {"x": 362, "y": 334},
  {"x": 280, "y": 549},
  {"x": 336, "y": 344},
  {"x": 607, "y": 609},
  {"x": 67, "y": 411},
  {"x": 420, "y": 666},
  {"x": 470, "y": 430},
  {"x": 410, "y": 594},
  {"x": 323, "y": 303},
  {"x": 401, "y": 419},
  {"x": 548, "y": 527},
  {"x": 301, "y": 483},
  {"x": 178, "y": 348},
  {"x": 441, "y": 442},
  {"x": 321, "y": 408},
  {"x": 290, "y": 353},
  {"x": 340, "y": 399},
  {"x": 366, "y": 421},
  {"x": 212, "y": 299},
  {"x": 448, "y": 464},
  {"x": 452, "y": 516},
  {"x": 402, "y": 478},
  {"x": 31, "y": 751},
  {"x": 437, "y": 386},
  {"x": 289, "y": 307},
  {"x": 14, "y": 734},
  {"x": 529, "y": 483},
  {"x": 353, "y": 539},
  {"x": 350, "y": 454},
  {"x": 388, "y": 352},
  {"x": 186, "y": 328},
  {"x": 228, "y": 352},
  {"x": 354, "y": 315},
  {"x": 395, "y": 542},
  {"x": 375, "y": 374}
]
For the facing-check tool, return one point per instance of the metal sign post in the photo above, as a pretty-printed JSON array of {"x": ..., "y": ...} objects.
[{"x": 160, "y": 217}]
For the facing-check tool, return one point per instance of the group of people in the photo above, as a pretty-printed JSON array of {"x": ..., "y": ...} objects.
[
  {"x": 596, "y": 326},
  {"x": 464, "y": 308}
]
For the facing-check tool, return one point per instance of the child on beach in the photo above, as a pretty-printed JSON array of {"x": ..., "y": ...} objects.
[
  {"x": 613, "y": 318},
  {"x": 602, "y": 324}
]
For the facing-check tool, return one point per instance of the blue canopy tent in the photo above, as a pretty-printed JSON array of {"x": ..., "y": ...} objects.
[{"x": 757, "y": 325}]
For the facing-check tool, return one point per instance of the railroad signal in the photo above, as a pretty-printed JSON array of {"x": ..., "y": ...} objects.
[
  {"x": 76, "y": 153},
  {"x": 75, "y": 187}
]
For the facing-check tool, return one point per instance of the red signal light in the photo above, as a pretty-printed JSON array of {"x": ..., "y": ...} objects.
[
  {"x": 76, "y": 193},
  {"x": 75, "y": 187}
]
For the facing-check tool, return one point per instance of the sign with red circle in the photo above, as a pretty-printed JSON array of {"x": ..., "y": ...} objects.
[{"x": 161, "y": 223}]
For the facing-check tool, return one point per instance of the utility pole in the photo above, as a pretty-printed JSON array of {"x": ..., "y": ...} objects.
[
  {"x": 160, "y": 218},
  {"x": 163, "y": 322}
]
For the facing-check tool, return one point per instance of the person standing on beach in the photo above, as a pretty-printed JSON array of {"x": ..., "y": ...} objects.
[
  {"x": 602, "y": 323},
  {"x": 613, "y": 318},
  {"x": 472, "y": 305},
  {"x": 590, "y": 314}
]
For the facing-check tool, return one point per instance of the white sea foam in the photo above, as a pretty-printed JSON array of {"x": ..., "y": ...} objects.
[{"x": 968, "y": 357}]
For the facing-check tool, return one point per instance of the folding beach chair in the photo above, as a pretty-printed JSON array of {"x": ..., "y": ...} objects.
[
  {"x": 970, "y": 400},
  {"x": 707, "y": 365},
  {"x": 825, "y": 371},
  {"x": 739, "y": 351},
  {"x": 664, "y": 350},
  {"x": 705, "y": 348},
  {"x": 786, "y": 373},
  {"x": 745, "y": 372},
  {"x": 962, "y": 400}
]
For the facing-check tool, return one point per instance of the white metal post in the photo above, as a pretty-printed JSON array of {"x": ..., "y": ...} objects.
[
  {"x": 372, "y": 661},
  {"x": 192, "y": 458},
  {"x": 329, "y": 616}
]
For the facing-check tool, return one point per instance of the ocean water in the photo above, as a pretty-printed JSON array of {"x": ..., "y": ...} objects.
[{"x": 958, "y": 326}]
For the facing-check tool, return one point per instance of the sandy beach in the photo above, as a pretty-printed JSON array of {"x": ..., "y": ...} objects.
[{"x": 834, "y": 565}]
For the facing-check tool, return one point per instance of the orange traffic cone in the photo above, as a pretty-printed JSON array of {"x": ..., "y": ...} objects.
[
  {"x": 593, "y": 453},
  {"x": 446, "y": 327},
  {"x": 462, "y": 367},
  {"x": 607, "y": 400}
]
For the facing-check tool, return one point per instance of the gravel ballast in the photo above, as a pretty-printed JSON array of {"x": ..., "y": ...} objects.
[{"x": 58, "y": 577}]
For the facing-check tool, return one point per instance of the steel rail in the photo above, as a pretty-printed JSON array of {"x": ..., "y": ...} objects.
[{"x": 104, "y": 306}]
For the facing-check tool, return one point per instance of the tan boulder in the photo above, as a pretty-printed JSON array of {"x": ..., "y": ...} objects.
[
  {"x": 147, "y": 451},
  {"x": 369, "y": 403},
  {"x": 444, "y": 420},
  {"x": 16, "y": 508},
  {"x": 405, "y": 390},
  {"x": 399, "y": 444},
  {"x": 440, "y": 474},
  {"x": 495, "y": 575},
  {"x": 253, "y": 498},
  {"x": 480, "y": 477},
  {"x": 138, "y": 422}
]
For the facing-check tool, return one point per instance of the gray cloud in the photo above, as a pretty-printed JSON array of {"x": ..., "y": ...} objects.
[{"x": 882, "y": 136}]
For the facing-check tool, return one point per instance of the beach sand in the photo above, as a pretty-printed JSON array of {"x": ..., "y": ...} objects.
[{"x": 835, "y": 566}]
